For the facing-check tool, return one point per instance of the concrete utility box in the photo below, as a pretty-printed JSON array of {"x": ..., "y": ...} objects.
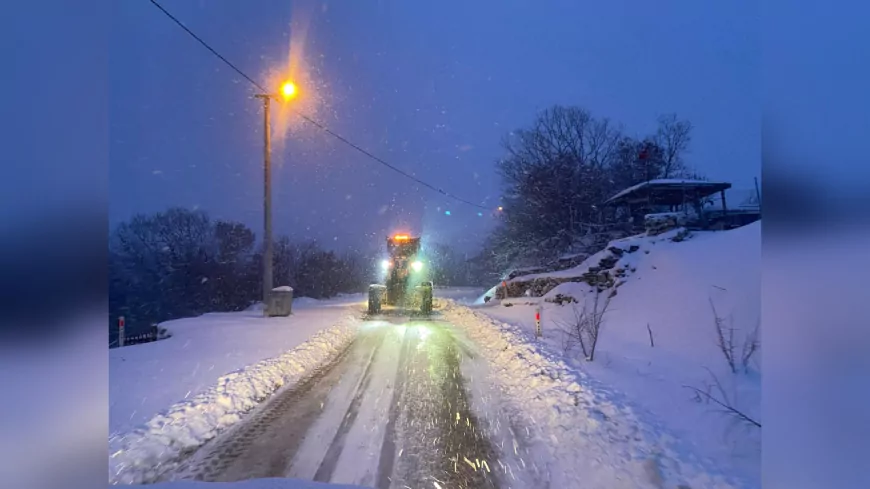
[{"x": 281, "y": 301}]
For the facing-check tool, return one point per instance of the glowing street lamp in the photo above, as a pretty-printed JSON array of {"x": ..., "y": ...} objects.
[{"x": 288, "y": 92}]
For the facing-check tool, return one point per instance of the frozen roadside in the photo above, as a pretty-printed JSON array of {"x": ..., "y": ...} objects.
[
  {"x": 314, "y": 336},
  {"x": 594, "y": 439},
  {"x": 148, "y": 378},
  {"x": 659, "y": 339}
]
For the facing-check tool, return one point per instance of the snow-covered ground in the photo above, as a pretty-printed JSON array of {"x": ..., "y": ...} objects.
[
  {"x": 670, "y": 287},
  {"x": 462, "y": 295},
  {"x": 626, "y": 419},
  {"x": 172, "y": 395},
  {"x": 148, "y": 378}
]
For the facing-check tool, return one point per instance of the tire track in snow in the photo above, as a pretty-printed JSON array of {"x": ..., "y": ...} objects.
[
  {"x": 330, "y": 459},
  {"x": 251, "y": 449},
  {"x": 320, "y": 435},
  {"x": 393, "y": 409},
  {"x": 440, "y": 442},
  {"x": 388, "y": 449}
]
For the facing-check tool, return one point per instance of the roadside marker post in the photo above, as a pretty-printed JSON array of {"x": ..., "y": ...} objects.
[
  {"x": 538, "y": 333},
  {"x": 121, "y": 331}
]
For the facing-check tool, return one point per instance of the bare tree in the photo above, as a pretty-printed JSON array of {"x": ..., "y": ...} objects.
[
  {"x": 673, "y": 137},
  {"x": 750, "y": 345},
  {"x": 596, "y": 321},
  {"x": 713, "y": 392},
  {"x": 724, "y": 338},
  {"x": 584, "y": 327},
  {"x": 574, "y": 331},
  {"x": 727, "y": 343}
]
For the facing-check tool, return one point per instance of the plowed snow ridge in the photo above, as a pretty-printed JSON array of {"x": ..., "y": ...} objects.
[
  {"x": 141, "y": 455},
  {"x": 594, "y": 439}
]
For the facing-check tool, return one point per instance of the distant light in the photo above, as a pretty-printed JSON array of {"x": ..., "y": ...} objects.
[
  {"x": 480, "y": 214},
  {"x": 385, "y": 264},
  {"x": 447, "y": 212},
  {"x": 500, "y": 208},
  {"x": 417, "y": 266}
]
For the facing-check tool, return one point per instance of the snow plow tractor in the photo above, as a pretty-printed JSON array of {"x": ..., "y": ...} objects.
[{"x": 406, "y": 289}]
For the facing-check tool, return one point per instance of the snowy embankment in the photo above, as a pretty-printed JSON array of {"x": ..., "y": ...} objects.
[
  {"x": 593, "y": 436},
  {"x": 218, "y": 360},
  {"x": 462, "y": 295},
  {"x": 148, "y": 378},
  {"x": 658, "y": 339}
]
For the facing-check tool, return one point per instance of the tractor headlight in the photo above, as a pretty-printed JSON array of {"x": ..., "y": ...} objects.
[
  {"x": 385, "y": 264},
  {"x": 417, "y": 266}
]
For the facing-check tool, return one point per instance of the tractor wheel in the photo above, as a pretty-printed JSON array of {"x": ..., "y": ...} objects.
[
  {"x": 376, "y": 293},
  {"x": 426, "y": 299}
]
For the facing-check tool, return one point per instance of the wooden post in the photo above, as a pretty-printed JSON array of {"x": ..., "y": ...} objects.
[{"x": 702, "y": 216}]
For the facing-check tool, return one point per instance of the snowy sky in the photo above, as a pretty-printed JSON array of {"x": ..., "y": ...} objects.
[{"x": 429, "y": 86}]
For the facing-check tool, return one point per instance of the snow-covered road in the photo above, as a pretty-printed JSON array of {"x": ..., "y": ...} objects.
[
  {"x": 392, "y": 410},
  {"x": 462, "y": 400}
]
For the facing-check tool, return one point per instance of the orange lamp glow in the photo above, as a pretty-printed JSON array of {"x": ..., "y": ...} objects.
[
  {"x": 401, "y": 237},
  {"x": 288, "y": 90}
]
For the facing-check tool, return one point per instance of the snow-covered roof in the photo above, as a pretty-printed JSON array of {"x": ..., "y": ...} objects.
[{"x": 700, "y": 188}]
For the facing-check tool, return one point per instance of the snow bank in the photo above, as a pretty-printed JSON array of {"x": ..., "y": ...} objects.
[
  {"x": 146, "y": 379},
  {"x": 594, "y": 437},
  {"x": 304, "y": 301},
  {"x": 459, "y": 294},
  {"x": 481, "y": 299},
  {"x": 641, "y": 240},
  {"x": 142, "y": 455},
  {"x": 670, "y": 286}
]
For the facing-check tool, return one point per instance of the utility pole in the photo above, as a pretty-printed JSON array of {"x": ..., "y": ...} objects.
[{"x": 267, "y": 204}]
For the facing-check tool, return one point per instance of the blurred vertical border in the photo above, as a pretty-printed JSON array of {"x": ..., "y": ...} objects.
[
  {"x": 816, "y": 233},
  {"x": 53, "y": 357}
]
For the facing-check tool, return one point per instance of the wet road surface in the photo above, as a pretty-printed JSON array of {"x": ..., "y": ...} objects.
[{"x": 392, "y": 411}]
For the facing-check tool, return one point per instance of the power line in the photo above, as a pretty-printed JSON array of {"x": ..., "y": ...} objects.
[{"x": 317, "y": 124}]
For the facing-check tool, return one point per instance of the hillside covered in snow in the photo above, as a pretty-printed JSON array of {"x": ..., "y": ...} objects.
[{"x": 667, "y": 308}]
